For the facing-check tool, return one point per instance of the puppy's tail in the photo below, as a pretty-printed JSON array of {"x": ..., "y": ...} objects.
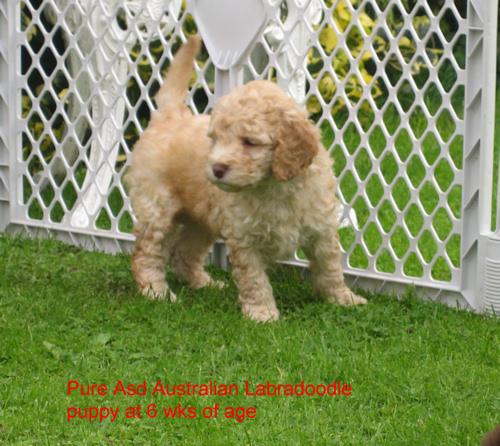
[{"x": 175, "y": 86}]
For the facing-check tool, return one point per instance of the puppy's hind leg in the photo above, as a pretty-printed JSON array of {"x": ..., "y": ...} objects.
[
  {"x": 187, "y": 255},
  {"x": 148, "y": 261}
]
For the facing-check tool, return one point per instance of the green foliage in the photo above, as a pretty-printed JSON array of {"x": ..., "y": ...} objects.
[{"x": 355, "y": 43}]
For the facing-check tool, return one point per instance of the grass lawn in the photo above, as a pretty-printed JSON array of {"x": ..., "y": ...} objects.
[
  {"x": 417, "y": 373},
  {"x": 420, "y": 373}
]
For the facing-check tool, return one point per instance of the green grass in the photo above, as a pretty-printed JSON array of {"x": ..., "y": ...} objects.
[{"x": 420, "y": 372}]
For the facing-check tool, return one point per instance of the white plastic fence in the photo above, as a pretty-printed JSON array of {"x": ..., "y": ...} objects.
[{"x": 403, "y": 90}]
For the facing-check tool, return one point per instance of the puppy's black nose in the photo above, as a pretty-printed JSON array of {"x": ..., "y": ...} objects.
[{"x": 219, "y": 170}]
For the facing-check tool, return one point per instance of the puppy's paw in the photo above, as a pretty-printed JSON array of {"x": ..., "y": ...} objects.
[
  {"x": 160, "y": 293},
  {"x": 219, "y": 284},
  {"x": 261, "y": 314},
  {"x": 348, "y": 298},
  {"x": 354, "y": 299},
  {"x": 204, "y": 280}
]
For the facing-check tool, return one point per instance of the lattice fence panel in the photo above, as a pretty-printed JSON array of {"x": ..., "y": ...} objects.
[
  {"x": 385, "y": 80},
  {"x": 86, "y": 74}
]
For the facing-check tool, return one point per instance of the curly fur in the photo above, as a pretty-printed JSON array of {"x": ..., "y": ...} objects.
[{"x": 253, "y": 173}]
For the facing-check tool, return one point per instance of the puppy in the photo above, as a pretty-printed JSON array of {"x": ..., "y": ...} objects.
[{"x": 254, "y": 173}]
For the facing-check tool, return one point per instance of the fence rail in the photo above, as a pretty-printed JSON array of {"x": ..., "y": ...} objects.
[{"x": 403, "y": 91}]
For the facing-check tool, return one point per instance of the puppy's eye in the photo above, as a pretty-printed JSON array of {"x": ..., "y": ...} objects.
[{"x": 249, "y": 143}]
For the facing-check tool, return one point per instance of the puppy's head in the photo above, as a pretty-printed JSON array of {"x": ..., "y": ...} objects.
[{"x": 257, "y": 133}]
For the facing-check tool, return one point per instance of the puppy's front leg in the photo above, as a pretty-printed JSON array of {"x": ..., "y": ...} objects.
[
  {"x": 325, "y": 256},
  {"x": 256, "y": 295}
]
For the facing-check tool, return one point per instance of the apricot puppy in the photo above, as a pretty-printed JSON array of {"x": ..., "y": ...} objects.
[{"x": 253, "y": 173}]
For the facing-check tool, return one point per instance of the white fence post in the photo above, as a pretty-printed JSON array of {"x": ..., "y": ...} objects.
[
  {"x": 5, "y": 75},
  {"x": 477, "y": 238}
]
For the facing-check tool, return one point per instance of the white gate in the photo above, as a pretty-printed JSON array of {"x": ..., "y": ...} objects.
[{"x": 403, "y": 91}]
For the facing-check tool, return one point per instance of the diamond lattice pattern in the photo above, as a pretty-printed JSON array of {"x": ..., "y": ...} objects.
[
  {"x": 383, "y": 79},
  {"x": 88, "y": 72}
]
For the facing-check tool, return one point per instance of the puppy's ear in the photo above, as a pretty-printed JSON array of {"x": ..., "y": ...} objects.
[{"x": 298, "y": 141}]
